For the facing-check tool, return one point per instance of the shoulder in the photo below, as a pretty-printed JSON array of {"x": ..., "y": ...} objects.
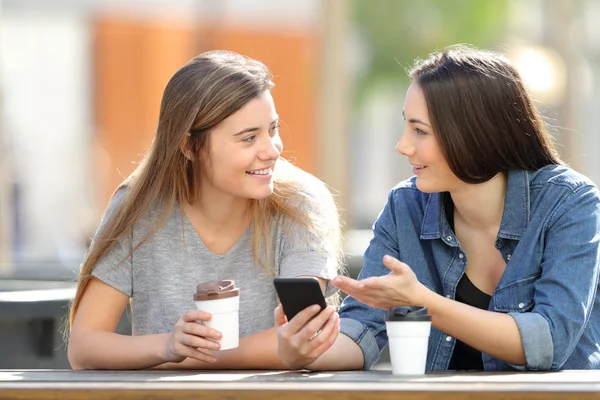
[
  {"x": 406, "y": 194},
  {"x": 407, "y": 187},
  {"x": 559, "y": 178},
  {"x": 119, "y": 202},
  {"x": 301, "y": 186},
  {"x": 558, "y": 191},
  {"x": 118, "y": 197},
  {"x": 408, "y": 206}
]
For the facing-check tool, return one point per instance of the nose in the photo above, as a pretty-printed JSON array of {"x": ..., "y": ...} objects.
[
  {"x": 271, "y": 149},
  {"x": 405, "y": 145}
]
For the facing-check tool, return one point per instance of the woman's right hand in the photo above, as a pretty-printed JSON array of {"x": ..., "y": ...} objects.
[
  {"x": 302, "y": 340},
  {"x": 191, "y": 339}
]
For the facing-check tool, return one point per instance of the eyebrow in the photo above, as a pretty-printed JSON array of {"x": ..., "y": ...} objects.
[
  {"x": 254, "y": 129},
  {"x": 415, "y": 120}
]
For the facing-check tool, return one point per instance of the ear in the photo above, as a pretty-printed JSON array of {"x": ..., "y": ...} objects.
[{"x": 185, "y": 147}]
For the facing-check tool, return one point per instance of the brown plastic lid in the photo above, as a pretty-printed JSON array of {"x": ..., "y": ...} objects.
[{"x": 216, "y": 290}]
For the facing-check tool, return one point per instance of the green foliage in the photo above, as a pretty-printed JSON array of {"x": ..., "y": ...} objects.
[{"x": 395, "y": 32}]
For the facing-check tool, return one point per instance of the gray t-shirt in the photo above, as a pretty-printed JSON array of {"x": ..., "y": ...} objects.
[{"x": 161, "y": 275}]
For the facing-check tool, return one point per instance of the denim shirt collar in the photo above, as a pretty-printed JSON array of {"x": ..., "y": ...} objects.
[{"x": 514, "y": 217}]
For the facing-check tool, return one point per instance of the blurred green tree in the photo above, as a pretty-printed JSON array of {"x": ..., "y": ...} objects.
[{"x": 393, "y": 33}]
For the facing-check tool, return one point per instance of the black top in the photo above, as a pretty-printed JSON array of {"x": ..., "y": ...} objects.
[{"x": 465, "y": 357}]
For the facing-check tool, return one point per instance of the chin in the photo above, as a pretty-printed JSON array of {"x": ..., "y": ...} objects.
[
  {"x": 259, "y": 195},
  {"x": 426, "y": 187}
]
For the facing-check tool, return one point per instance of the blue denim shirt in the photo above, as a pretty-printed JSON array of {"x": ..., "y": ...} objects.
[{"x": 549, "y": 237}]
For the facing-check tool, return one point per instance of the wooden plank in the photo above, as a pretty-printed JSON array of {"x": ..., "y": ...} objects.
[
  {"x": 215, "y": 385},
  {"x": 289, "y": 395},
  {"x": 191, "y": 376}
]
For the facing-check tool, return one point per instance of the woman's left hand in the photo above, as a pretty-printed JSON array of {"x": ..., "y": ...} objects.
[{"x": 399, "y": 288}]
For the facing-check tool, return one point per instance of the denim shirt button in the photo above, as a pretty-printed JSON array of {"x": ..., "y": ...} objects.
[
  {"x": 448, "y": 296},
  {"x": 508, "y": 257},
  {"x": 461, "y": 255},
  {"x": 521, "y": 305},
  {"x": 448, "y": 338},
  {"x": 449, "y": 238}
]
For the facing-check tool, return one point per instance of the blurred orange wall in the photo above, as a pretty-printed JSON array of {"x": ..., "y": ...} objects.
[
  {"x": 293, "y": 62},
  {"x": 134, "y": 61}
]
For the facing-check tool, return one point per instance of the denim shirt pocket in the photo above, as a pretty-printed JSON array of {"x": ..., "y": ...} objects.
[{"x": 516, "y": 296}]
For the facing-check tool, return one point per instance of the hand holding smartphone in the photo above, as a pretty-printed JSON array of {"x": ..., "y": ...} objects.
[{"x": 295, "y": 294}]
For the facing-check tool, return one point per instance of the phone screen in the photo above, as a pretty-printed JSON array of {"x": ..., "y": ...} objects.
[{"x": 296, "y": 294}]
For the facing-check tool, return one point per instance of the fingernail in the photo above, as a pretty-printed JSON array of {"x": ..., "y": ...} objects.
[
  {"x": 315, "y": 307},
  {"x": 215, "y": 346},
  {"x": 387, "y": 258}
]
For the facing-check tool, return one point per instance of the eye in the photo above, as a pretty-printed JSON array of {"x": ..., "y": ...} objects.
[
  {"x": 249, "y": 139},
  {"x": 275, "y": 130},
  {"x": 420, "y": 132}
]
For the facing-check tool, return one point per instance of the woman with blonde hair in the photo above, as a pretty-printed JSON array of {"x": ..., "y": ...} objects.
[{"x": 212, "y": 200}]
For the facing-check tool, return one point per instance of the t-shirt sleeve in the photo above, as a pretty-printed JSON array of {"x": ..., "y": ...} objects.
[
  {"x": 114, "y": 269},
  {"x": 303, "y": 252}
]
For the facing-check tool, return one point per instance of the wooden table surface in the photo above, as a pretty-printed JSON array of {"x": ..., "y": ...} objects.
[{"x": 215, "y": 385}]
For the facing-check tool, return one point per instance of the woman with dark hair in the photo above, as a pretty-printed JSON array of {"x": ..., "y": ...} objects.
[
  {"x": 212, "y": 200},
  {"x": 494, "y": 235}
]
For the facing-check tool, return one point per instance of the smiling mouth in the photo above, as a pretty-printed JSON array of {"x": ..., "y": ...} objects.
[{"x": 266, "y": 171}]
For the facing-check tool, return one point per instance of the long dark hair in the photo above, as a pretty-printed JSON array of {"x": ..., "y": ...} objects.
[{"x": 484, "y": 119}]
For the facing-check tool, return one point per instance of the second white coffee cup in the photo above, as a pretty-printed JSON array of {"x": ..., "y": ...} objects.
[
  {"x": 221, "y": 299},
  {"x": 408, "y": 331}
]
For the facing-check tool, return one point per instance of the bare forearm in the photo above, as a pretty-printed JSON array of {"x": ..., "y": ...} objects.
[
  {"x": 490, "y": 332},
  {"x": 343, "y": 355},
  {"x": 258, "y": 351},
  {"x": 95, "y": 349}
]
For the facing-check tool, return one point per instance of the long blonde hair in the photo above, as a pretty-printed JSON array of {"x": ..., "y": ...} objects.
[{"x": 203, "y": 93}]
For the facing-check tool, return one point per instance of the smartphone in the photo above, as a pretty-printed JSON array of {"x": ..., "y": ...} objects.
[{"x": 296, "y": 294}]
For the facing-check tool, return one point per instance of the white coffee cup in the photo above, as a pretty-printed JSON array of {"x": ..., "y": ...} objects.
[
  {"x": 408, "y": 331},
  {"x": 222, "y": 300}
]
